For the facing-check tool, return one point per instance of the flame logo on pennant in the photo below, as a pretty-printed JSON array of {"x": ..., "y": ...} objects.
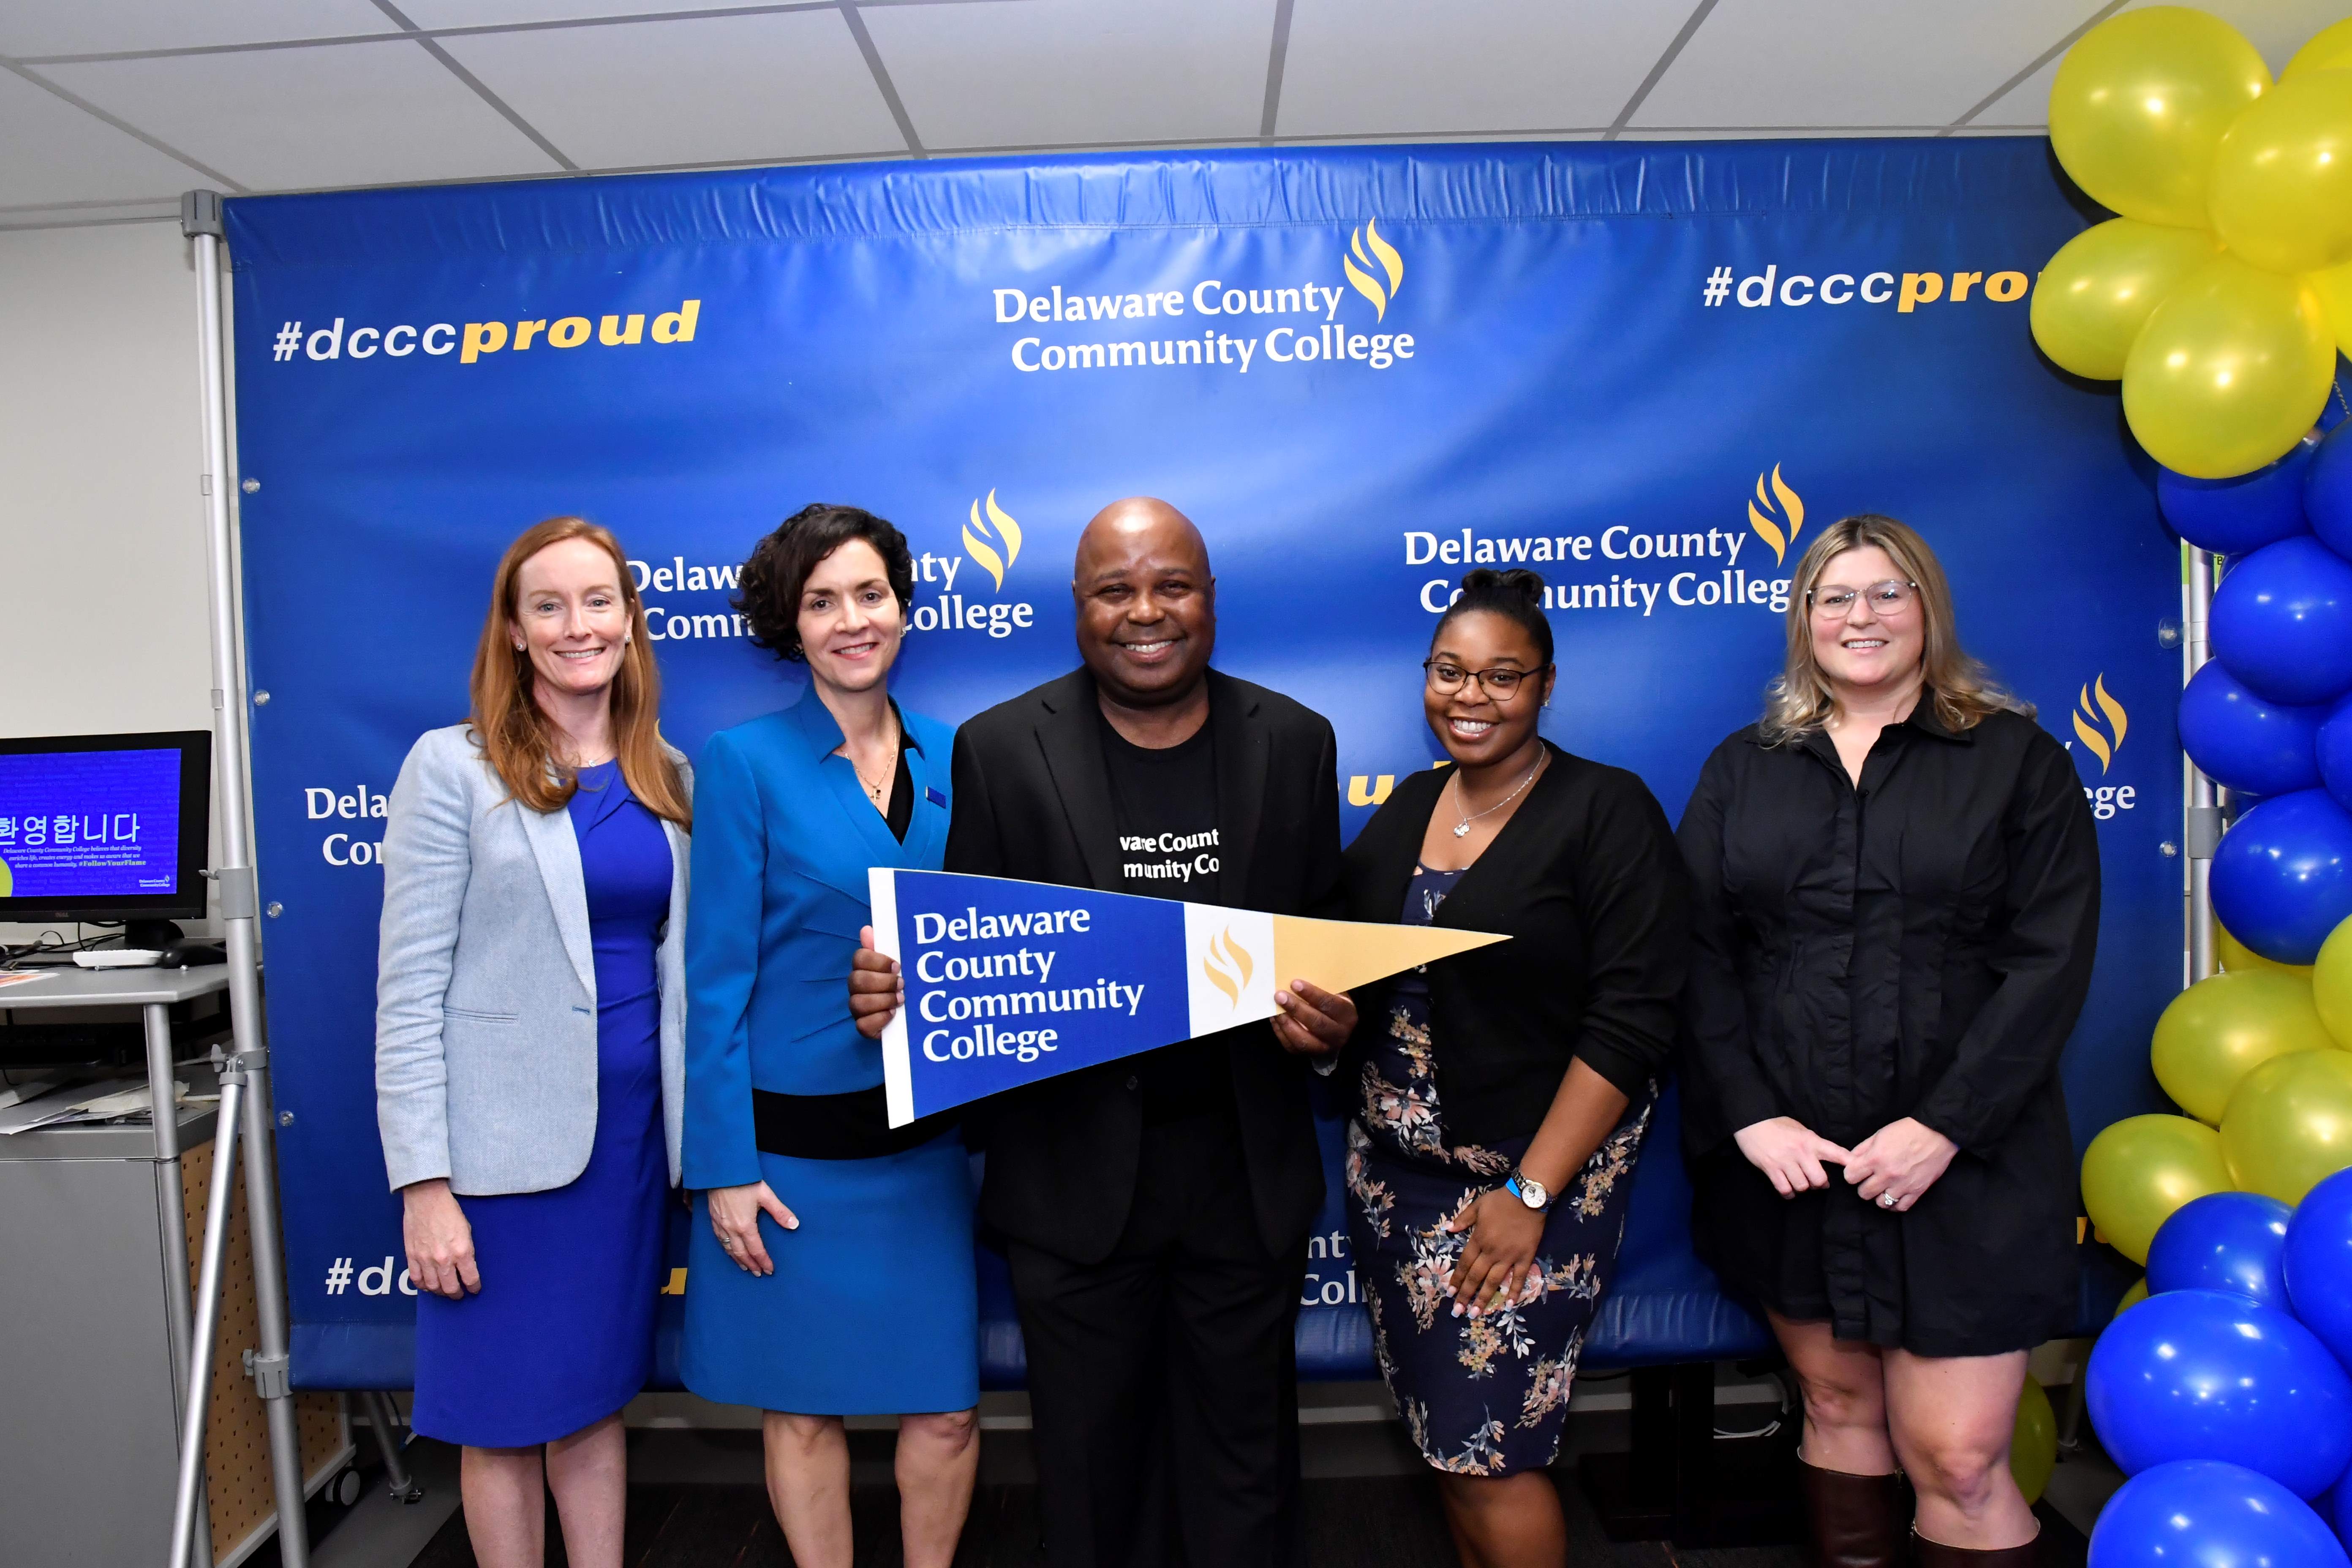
[
  {"x": 1228, "y": 966},
  {"x": 979, "y": 541},
  {"x": 2104, "y": 740},
  {"x": 1768, "y": 520},
  {"x": 1365, "y": 245}
]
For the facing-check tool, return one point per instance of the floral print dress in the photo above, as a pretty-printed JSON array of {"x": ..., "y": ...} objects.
[{"x": 1485, "y": 1396}]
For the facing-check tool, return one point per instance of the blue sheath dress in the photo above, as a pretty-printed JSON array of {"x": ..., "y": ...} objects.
[
  {"x": 1485, "y": 1396},
  {"x": 562, "y": 1334}
]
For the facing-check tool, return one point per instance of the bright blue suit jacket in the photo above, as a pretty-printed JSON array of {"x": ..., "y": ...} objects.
[{"x": 782, "y": 837}]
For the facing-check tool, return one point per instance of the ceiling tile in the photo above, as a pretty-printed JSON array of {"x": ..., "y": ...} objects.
[
  {"x": 59, "y": 153},
  {"x": 1078, "y": 72},
  {"x": 358, "y": 114},
  {"x": 496, "y": 12},
  {"x": 713, "y": 91},
  {"x": 1378, "y": 67},
  {"x": 82, "y": 28},
  {"x": 1801, "y": 63}
]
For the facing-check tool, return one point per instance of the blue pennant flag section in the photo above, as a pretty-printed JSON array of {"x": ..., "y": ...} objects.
[{"x": 1010, "y": 981}]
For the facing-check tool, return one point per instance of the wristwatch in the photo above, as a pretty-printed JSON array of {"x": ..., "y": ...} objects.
[{"x": 1528, "y": 1191}]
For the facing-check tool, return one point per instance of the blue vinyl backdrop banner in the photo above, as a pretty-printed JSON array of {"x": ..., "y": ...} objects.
[{"x": 1651, "y": 372}]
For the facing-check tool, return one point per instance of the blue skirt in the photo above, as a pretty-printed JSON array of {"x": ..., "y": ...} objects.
[
  {"x": 872, "y": 1309},
  {"x": 562, "y": 1334}
]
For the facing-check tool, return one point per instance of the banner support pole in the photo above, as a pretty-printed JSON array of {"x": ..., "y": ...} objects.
[
  {"x": 239, "y": 907},
  {"x": 2202, "y": 818}
]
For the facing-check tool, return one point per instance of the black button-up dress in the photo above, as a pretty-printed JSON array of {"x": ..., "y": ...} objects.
[{"x": 1916, "y": 946}]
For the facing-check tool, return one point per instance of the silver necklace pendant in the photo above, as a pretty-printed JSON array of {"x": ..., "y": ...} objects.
[{"x": 1461, "y": 831}]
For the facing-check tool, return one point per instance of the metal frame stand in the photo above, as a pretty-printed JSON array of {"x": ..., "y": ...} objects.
[
  {"x": 404, "y": 1487},
  {"x": 2201, "y": 825},
  {"x": 244, "y": 1106}
]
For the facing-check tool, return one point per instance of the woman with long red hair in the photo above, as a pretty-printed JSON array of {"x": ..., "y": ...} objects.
[{"x": 529, "y": 1043}]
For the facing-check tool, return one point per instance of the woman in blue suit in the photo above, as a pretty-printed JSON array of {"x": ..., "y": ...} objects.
[{"x": 835, "y": 1276}]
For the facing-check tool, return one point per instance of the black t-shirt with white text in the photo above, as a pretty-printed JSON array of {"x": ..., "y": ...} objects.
[{"x": 1164, "y": 811}]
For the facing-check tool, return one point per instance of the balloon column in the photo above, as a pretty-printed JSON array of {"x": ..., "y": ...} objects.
[
  {"x": 2220, "y": 295},
  {"x": 2223, "y": 1394}
]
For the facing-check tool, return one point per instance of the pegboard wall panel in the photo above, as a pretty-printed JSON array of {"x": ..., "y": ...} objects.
[{"x": 237, "y": 1487}]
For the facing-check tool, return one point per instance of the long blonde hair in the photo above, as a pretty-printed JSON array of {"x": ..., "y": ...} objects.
[
  {"x": 507, "y": 721},
  {"x": 1798, "y": 700}
]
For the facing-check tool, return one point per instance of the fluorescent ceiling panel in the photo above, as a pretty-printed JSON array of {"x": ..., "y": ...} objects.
[
  {"x": 1796, "y": 64},
  {"x": 1386, "y": 66},
  {"x": 58, "y": 153},
  {"x": 88, "y": 28},
  {"x": 361, "y": 114},
  {"x": 713, "y": 91},
  {"x": 1082, "y": 72}
]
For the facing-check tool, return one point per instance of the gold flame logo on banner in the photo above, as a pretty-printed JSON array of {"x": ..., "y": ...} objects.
[
  {"x": 980, "y": 542},
  {"x": 1768, "y": 520},
  {"x": 1364, "y": 245},
  {"x": 1228, "y": 966},
  {"x": 2103, "y": 739}
]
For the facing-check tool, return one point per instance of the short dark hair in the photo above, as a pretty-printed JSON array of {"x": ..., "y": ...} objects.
[
  {"x": 1517, "y": 595},
  {"x": 769, "y": 596}
]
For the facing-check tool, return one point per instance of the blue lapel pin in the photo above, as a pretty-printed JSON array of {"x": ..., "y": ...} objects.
[{"x": 934, "y": 796}]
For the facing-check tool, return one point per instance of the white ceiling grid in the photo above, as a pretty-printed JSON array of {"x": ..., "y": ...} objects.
[{"x": 110, "y": 108}]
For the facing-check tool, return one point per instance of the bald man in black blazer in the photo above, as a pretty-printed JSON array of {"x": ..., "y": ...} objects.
[{"x": 1156, "y": 1209}]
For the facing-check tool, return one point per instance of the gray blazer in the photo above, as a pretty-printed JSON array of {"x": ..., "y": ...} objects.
[{"x": 485, "y": 983}]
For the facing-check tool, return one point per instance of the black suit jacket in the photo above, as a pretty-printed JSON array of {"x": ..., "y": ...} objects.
[{"x": 1033, "y": 800}]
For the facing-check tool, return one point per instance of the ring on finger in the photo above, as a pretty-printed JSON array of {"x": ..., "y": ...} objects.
[{"x": 1887, "y": 1200}]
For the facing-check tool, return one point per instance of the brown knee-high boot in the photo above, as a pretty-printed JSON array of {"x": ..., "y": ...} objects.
[
  {"x": 1935, "y": 1554},
  {"x": 1858, "y": 1520}
]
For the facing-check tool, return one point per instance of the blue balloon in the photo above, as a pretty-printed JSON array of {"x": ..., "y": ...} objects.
[
  {"x": 2248, "y": 742},
  {"x": 2203, "y": 1374},
  {"x": 2223, "y": 1241},
  {"x": 2283, "y": 622},
  {"x": 2339, "y": 1511},
  {"x": 2201, "y": 1513},
  {"x": 2317, "y": 1263},
  {"x": 2239, "y": 516},
  {"x": 2282, "y": 877},
  {"x": 2327, "y": 490},
  {"x": 2333, "y": 749}
]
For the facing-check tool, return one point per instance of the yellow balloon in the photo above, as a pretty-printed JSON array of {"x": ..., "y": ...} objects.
[
  {"x": 2231, "y": 369},
  {"x": 2237, "y": 957},
  {"x": 2132, "y": 1297},
  {"x": 2096, "y": 293},
  {"x": 2333, "y": 287},
  {"x": 2289, "y": 1125},
  {"x": 2281, "y": 194},
  {"x": 2139, "y": 1170},
  {"x": 2330, "y": 49},
  {"x": 2033, "y": 1444},
  {"x": 2220, "y": 1029},
  {"x": 2140, "y": 102},
  {"x": 2331, "y": 983}
]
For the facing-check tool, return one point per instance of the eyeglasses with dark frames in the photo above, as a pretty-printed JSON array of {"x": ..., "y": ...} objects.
[{"x": 1446, "y": 678}]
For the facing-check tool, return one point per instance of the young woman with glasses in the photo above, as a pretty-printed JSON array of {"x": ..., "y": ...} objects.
[
  {"x": 1500, "y": 1096},
  {"x": 1895, "y": 905}
]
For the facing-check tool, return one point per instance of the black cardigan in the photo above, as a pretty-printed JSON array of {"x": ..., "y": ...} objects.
[{"x": 1586, "y": 881}]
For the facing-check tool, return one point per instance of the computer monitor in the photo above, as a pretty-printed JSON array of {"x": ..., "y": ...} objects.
[{"x": 105, "y": 827}]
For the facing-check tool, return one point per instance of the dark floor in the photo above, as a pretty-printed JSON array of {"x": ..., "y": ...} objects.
[{"x": 1378, "y": 1521}]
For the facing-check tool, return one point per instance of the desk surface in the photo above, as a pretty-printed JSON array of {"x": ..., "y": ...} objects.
[{"x": 68, "y": 987}]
